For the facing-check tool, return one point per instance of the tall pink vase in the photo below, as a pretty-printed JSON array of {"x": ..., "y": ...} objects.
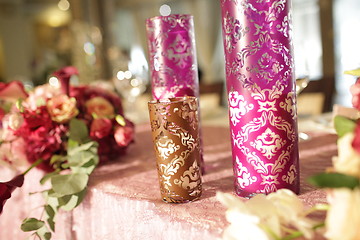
[
  {"x": 173, "y": 62},
  {"x": 172, "y": 54},
  {"x": 261, "y": 95}
]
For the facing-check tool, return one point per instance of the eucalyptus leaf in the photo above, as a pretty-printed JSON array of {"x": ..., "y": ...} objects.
[
  {"x": 43, "y": 233},
  {"x": 78, "y": 130},
  {"x": 334, "y": 180},
  {"x": 50, "y": 212},
  {"x": 51, "y": 224},
  {"x": 70, "y": 202},
  {"x": 87, "y": 168},
  {"x": 80, "y": 158},
  {"x": 343, "y": 125},
  {"x": 70, "y": 183},
  {"x": 81, "y": 148},
  {"x": 44, "y": 179},
  {"x": 51, "y": 199},
  {"x": 72, "y": 144},
  {"x": 56, "y": 159},
  {"x": 31, "y": 224}
]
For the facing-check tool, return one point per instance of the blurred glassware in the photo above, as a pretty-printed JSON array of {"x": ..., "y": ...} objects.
[{"x": 302, "y": 78}]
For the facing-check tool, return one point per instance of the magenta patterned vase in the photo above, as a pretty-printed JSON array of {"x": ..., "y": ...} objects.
[
  {"x": 172, "y": 54},
  {"x": 261, "y": 95}
]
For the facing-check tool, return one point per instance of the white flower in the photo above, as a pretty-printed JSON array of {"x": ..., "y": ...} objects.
[
  {"x": 348, "y": 160},
  {"x": 291, "y": 211},
  {"x": 343, "y": 218},
  {"x": 263, "y": 217},
  {"x": 244, "y": 224}
]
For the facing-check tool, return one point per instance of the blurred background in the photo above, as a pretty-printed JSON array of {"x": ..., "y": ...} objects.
[{"x": 106, "y": 41}]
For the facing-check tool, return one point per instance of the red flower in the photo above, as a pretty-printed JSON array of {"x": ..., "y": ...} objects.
[
  {"x": 34, "y": 119},
  {"x": 64, "y": 75},
  {"x": 2, "y": 114},
  {"x": 356, "y": 141},
  {"x": 100, "y": 128},
  {"x": 7, "y": 188},
  {"x": 12, "y": 91}
]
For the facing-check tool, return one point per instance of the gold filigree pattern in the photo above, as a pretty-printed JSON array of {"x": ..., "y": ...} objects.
[
  {"x": 165, "y": 146},
  {"x": 176, "y": 142}
]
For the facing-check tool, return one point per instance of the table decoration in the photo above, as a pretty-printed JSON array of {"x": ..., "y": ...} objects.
[
  {"x": 64, "y": 131},
  {"x": 261, "y": 95},
  {"x": 281, "y": 215},
  {"x": 172, "y": 55},
  {"x": 175, "y": 134}
]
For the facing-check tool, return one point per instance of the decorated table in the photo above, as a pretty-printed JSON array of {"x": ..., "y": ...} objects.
[{"x": 123, "y": 199}]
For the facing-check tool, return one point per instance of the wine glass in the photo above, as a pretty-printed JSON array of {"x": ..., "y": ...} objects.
[
  {"x": 130, "y": 83},
  {"x": 301, "y": 80}
]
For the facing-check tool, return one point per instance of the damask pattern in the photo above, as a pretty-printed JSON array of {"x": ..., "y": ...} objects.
[
  {"x": 260, "y": 83},
  {"x": 175, "y": 132},
  {"x": 172, "y": 55}
]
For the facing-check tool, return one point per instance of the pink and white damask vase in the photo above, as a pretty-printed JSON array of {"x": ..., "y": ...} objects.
[
  {"x": 261, "y": 95},
  {"x": 172, "y": 55}
]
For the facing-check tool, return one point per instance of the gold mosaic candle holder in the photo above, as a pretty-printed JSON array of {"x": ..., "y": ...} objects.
[{"x": 175, "y": 134}]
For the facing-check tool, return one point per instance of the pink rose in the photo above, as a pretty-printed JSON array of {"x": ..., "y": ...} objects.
[
  {"x": 100, "y": 128},
  {"x": 356, "y": 140},
  {"x": 12, "y": 91},
  {"x": 64, "y": 76},
  {"x": 124, "y": 135},
  {"x": 62, "y": 108},
  {"x": 100, "y": 107},
  {"x": 355, "y": 92}
]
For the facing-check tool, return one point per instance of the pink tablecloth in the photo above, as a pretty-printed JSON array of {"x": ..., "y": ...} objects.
[{"x": 123, "y": 201}]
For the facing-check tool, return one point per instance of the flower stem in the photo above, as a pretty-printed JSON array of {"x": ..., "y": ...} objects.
[{"x": 33, "y": 165}]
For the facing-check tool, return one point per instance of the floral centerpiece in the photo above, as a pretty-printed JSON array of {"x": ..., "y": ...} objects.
[
  {"x": 65, "y": 131},
  {"x": 282, "y": 215}
]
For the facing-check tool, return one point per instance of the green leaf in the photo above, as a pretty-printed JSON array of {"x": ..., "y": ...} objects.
[
  {"x": 48, "y": 176},
  {"x": 50, "y": 212},
  {"x": 81, "y": 148},
  {"x": 78, "y": 131},
  {"x": 355, "y": 72},
  {"x": 72, "y": 144},
  {"x": 70, "y": 202},
  {"x": 50, "y": 199},
  {"x": 56, "y": 159},
  {"x": 70, "y": 183},
  {"x": 343, "y": 125},
  {"x": 120, "y": 120},
  {"x": 334, "y": 180},
  {"x": 43, "y": 233},
  {"x": 87, "y": 168},
  {"x": 31, "y": 224},
  {"x": 80, "y": 158}
]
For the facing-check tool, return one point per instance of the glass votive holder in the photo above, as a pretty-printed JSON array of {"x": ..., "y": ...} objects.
[{"x": 175, "y": 134}]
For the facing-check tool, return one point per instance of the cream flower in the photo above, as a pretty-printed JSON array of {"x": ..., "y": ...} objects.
[
  {"x": 244, "y": 220},
  {"x": 265, "y": 216},
  {"x": 62, "y": 108},
  {"x": 100, "y": 107},
  {"x": 291, "y": 211},
  {"x": 348, "y": 160},
  {"x": 343, "y": 218}
]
